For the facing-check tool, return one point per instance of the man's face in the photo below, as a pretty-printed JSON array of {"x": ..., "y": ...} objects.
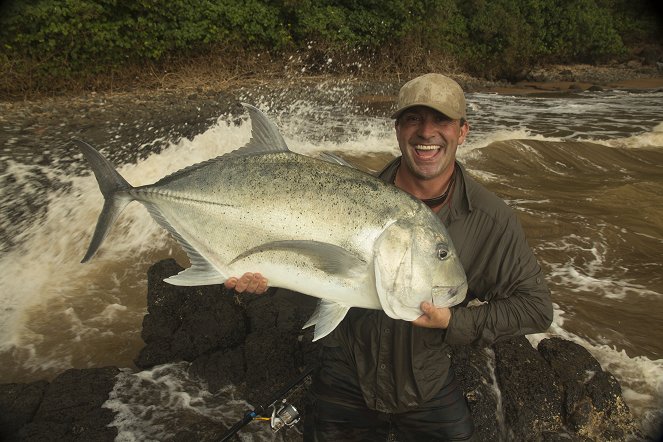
[{"x": 428, "y": 141}]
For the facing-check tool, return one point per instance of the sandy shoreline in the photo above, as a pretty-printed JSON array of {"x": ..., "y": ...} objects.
[
  {"x": 534, "y": 87},
  {"x": 553, "y": 78}
]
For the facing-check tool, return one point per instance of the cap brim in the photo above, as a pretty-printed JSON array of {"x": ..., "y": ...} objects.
[{"x": 447, "y": 112}]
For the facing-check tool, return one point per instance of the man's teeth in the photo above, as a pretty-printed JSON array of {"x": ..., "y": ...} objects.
[{"x": 427, "y": 147}]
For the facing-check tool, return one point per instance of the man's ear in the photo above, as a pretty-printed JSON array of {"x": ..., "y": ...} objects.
[{"x": 464, "y": 130}]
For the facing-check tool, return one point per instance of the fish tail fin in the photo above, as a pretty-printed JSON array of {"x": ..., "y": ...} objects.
[{"x": 113, "y": 187}]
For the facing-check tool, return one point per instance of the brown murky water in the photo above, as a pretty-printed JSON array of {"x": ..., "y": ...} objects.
[{"x": 584, "y": 172}]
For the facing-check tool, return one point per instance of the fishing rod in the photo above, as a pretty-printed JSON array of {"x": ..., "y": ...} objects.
[{"x": 284, "y": 414}]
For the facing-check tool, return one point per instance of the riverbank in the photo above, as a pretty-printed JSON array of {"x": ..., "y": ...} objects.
[{"x": 187, "y": 101}]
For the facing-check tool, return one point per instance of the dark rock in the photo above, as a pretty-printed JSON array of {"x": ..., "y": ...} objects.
[
  {"x": 568, "y": 360},
  {"x": 256, "y": 343},
  {"x": 275, "y": 346},
  {"x": 18, "y": 405},
  {"x": 71, "y": 408},
  {"x": 473, "y": 369},
  {"x": 185, "y": 322},
  {"x": 593, "y": 403},
  {"x": 595, "y": 88},
  {"x": 531, "y": 396},
  {"x": 220, "y": 368}
]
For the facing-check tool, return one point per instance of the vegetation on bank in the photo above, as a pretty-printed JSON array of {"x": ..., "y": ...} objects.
[{"x": 53, "y": 44}]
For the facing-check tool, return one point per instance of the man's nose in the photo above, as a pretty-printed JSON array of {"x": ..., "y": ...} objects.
[{"x": 426, "y": 128}]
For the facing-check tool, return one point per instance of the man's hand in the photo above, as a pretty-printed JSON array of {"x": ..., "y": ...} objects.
[
  {"x": 249, "y": 282},
  {"x": 433, "y": 317}
]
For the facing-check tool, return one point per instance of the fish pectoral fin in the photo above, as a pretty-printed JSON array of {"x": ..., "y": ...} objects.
[
  {"x": 327, "y": 257},
  {"x": 326, "y": 317}
]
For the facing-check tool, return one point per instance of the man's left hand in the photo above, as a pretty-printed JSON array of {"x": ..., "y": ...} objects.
[{"x": 433, "y": 317}]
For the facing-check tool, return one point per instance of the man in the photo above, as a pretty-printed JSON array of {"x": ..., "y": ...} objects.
[{"x": 380, "y": 375}]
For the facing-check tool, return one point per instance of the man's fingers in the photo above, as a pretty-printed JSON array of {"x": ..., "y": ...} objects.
[
  {"x": 254, "y": 281},
  {"x": 433, "y": 317},
  {"x": 243, "y": 282},
  {"x": 258, "y": 284},
  {"x": 230, "y": 283},
  {"x": 262, "y": 286},
  {"x": 248, "y": 282}
]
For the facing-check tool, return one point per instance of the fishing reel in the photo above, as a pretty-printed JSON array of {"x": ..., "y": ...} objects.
[{"x": 283, "y": 415}]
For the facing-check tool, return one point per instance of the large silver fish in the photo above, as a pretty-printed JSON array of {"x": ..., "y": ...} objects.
[{"x": 313, "y": 226}]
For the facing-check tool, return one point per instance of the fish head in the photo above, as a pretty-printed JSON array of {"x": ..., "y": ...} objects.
[{"x": 415, "y": 261}]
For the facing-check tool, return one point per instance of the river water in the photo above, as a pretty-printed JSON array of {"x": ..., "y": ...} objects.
[{"x": 584, "y": 172}]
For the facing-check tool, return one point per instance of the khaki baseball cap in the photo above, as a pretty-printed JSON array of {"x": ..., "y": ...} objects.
[{"x": 436, "y": 91}]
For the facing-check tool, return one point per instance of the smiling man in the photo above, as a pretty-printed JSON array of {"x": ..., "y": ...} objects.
[{"x": 380, "y": 377}]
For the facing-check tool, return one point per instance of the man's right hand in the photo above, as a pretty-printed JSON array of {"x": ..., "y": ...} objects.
[{"x": 249, "y": 282}]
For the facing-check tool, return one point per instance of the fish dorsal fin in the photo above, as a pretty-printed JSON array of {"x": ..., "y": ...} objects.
[
  {"x": 326, "y": 317},
  {"x": 265, "y": 136},
  {"x": 333, "y": 158},
  {"x": 327, "y": 257}
]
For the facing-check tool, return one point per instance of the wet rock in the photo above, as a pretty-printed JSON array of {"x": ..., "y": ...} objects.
[
  {"x": 592, "y": 398},
  {"x": 531, "y": 394},
  {"x": 220, "y": 368},
  {"x": 557, "y": 392},
  {"x": 275, "y": 346},
  {"x": 18, "y": 405},
  {"x": 473, "y": 368},
  {"x": 249, "y": 340},
  {"x": 184, "y": 323},
  {"x": 71, "y": 408}
]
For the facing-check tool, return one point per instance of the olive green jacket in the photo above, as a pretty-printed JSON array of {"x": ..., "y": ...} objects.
[{"x": 399, "y": 366}]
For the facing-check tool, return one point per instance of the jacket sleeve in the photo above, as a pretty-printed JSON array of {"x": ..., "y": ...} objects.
[{"x": 509, "y": 280}]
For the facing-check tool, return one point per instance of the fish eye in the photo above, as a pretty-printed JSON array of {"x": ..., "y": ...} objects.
[{"x": 442, "y": 252}]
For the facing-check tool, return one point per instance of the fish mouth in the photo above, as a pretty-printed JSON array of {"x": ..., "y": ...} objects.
[{"x": 448, "y": 296}]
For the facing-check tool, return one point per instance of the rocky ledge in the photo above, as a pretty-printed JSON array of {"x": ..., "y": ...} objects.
[{"x": 555, "y": 392}]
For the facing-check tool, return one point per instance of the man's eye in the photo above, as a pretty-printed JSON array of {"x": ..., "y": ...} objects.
[{"x": 443, "y": 121}]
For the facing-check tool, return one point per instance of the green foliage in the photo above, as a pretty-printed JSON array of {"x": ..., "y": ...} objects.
[
  {"x": 494, "y": 38},
  {"x": 579, "y": 29},
  {"x": 70, "y": 35}
]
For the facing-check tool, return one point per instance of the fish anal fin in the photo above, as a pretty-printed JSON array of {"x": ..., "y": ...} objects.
[
  {"x": 201, "y": 272},
  {"x": 197, "y": 276}
]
